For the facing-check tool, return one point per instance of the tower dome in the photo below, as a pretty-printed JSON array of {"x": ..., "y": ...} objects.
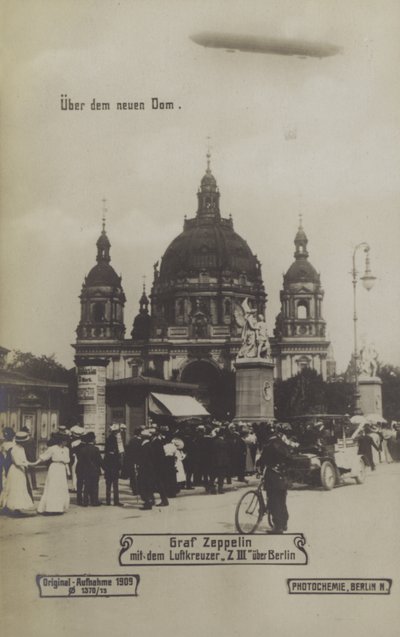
[
  {"x": 102, "y": 298},
  {"x": 206, "y": 269}
]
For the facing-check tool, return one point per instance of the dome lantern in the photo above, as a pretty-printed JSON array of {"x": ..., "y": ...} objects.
[
  {"x": 208, "y": 194},
  {"x": 300, "y": 241}
]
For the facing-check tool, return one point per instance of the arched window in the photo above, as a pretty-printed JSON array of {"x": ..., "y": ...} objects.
[{"x": 302, "y": 310}]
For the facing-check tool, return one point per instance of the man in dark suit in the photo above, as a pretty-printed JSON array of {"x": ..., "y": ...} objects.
[
  {"x": 160, "y": 467},
  {"x": 276, "y": 456},
  {"x": 90, "y": 463},
  {"x": 146, "y": 471},
  {"x": 112, "y": 465},
  {"x": 219, "y": 460},
  {"x": 204, "y": 444},
  {"x": 131, "y": 460}
]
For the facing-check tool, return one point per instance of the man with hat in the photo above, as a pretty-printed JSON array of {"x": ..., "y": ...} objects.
[
  {"x": 219, "y": 461},
  {"x": 89, "y": 468},
  {"x": 112, "y": 464},
  {"x": 160, "y": 466},
  {"x": 276, "y": 457},
  {"x": 146, "y": 472},
  {"x": 365, "y": 445},
  {"x": 131, "y": 460}
]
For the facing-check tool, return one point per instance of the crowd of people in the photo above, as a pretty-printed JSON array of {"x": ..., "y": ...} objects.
[
  {"x": 155, "y": 460},
  {"x": 378, "y": 442},
  {"x": 158, "y": 460}
]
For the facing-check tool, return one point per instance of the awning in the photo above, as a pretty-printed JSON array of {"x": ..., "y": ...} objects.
[{"x": 176, "y": 405}]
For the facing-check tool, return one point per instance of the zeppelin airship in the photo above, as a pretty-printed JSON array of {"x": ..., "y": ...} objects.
[{"x": 233, "y": 42}]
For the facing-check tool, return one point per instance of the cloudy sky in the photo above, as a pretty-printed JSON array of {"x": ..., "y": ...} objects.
[{"x": 289, "y": 135}]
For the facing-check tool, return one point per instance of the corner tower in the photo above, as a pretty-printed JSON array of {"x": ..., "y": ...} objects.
[
  {"x": 300, "y": 329},
  {"x": 102, "y": 299}
]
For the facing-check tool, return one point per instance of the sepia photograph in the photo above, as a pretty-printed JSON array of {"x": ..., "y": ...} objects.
[{"x": 199, "y": 317}]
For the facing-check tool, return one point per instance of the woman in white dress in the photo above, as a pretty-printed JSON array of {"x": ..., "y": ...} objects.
[
  {"x": 16, "y": 498},
  {"x": 179, "y": 458},
  {"x": 55, "y": 498}
]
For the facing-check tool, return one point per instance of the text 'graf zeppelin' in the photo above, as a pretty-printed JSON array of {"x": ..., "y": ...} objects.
[{"x": 211, "y": 549}]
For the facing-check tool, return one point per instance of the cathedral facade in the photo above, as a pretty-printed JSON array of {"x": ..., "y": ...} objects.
[{"x": 187, "y": 328}]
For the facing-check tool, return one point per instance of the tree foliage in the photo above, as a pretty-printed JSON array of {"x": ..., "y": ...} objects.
[
  {"x": 48, "y": 369},
  {"x": 307, "y": 393},
  {"x": 41, "y": 367},
  {"x": 390, "y": 376}
]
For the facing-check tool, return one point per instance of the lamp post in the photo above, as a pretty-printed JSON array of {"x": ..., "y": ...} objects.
[{"x": 368, "y": 281}]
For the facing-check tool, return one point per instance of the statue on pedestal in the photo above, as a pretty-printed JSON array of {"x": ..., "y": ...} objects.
[
  {"x": 255, "y": 341},
  {"x": 368, "y": 361}
]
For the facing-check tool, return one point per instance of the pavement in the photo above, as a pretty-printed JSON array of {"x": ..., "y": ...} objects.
[{"x": 351, "y": 531}]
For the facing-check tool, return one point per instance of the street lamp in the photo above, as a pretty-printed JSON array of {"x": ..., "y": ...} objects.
[{"x": 368, "y": 281}]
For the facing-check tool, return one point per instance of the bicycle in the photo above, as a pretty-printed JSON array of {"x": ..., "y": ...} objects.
[{"x": 251, "y": 509}]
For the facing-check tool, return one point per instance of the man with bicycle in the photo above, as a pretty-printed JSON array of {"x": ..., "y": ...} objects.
[{"x": 276, "y": 454}]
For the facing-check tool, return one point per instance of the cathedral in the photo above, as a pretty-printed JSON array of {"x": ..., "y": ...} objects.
[{"x": 187, "y": 329}]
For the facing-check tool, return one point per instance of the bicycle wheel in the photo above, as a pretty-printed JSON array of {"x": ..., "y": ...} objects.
[{"x": 249, "y": 512}]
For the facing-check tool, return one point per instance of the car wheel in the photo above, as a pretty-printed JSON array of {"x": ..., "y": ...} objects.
[
  {"x": 360, "y": 477},
  {"x": 328, "y": 475}
]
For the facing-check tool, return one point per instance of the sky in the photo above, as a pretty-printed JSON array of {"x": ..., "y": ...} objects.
[{"x": 288, "y": 135}]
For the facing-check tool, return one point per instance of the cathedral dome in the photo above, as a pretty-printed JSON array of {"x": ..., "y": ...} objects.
[
  {"x": 210, "y": 245},
  {"x": 208, "y": 242},
  {"x": 205, "y": 273}
]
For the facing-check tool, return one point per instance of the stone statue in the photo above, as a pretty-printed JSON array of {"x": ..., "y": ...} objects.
[
  {"x": 264, "y": 349},
  {"x": 368, "y": 361},
  {"x": 255, "y": 342}
]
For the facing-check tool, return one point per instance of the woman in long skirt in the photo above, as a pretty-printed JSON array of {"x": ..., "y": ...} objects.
[
  {"x": 5, "y": 454},
  {"x": 55, "y": 498},
  {"x": 16, "y": 498}
]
